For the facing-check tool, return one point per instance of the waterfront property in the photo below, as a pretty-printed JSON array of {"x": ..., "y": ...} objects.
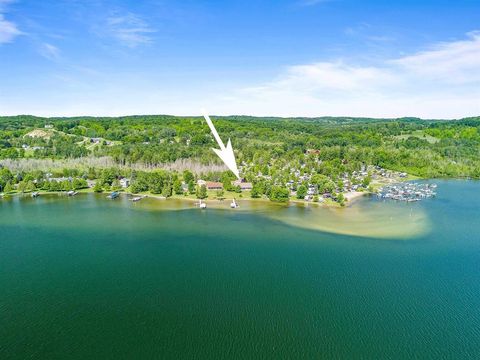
[
  {"x": 243, "y": 184},
  {"x": 213, "y": 185}
]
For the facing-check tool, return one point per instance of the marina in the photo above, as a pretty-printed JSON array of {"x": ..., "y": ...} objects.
[{"x": 409, "y": 192}]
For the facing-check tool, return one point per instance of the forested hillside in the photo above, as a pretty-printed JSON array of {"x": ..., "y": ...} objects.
[
  {"x": 309, "y": 159},
  {"x": 425, "y": 148}
]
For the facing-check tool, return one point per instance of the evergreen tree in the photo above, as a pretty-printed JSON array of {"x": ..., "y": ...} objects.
[
  {"x": 177, "y": 187},
  {"x": 191, "y": 187},
  {"x": 167, "y": 190},
  {"x": 30, "y": 186},
  {"x": 98, "y": 187},
  {"x": 202, "y": 192},
  {"x": 301, "y": 192},
  {"x": 188, "y": 177},
  {"x": 8, "y": 188},
  {"x": 21, "y": 186}
]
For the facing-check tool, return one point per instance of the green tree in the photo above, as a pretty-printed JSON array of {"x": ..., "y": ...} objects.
[
  {"x": 21, "y": 186},
  {"x": 98, "y": 187},
  {"x": 8, "y": 188},
  {"x": 108, "y": 176},
  {"x": 54, "y": 186},
  {"x": 191, "y": 187},
  {"x": 177, "y": 187},
  {"x": 301, "y": 192},
  {"x": 256, "y": 191},
  {"x": 167, "y": 190},
  {"x": 279, "y": 194},
  {"x": 79, "y": 183},
  {"x": 66, "y": 185},
  {"x": 366, "y": 181},
  {"x": 116, "y": 185},
  {"x": 5, "y": 176},
  {"x": 226, "y": 180},
  {"x": 202, "y": 192},
  {"x": 188, "y": 176},
  {"x": 30, "y": 186}
]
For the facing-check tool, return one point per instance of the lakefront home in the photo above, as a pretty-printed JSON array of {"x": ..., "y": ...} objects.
[
  {"x": 124, "y": 183},
  {"x": 243, "y": 185},
  {"x": 213, "y": 185}
]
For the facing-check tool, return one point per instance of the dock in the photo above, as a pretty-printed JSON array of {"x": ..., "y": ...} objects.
[{"x": 408, "y": 192}]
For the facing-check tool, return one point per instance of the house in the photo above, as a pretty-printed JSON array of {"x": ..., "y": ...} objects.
[
  {"x": 213, "y": 185},
  {"x": 201, "y": 182},
  {"x": 48, "y": 126},
  {"x": 124, "y": 183},
  {"x": 243, "y": 185}
]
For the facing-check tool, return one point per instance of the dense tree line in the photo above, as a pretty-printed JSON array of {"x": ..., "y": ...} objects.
[{"x": 267, "y": 145}]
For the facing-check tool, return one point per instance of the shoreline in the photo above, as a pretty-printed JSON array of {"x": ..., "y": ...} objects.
[
  {"x": 351, "y": 198},
  {"x": 374, "y": 219}
]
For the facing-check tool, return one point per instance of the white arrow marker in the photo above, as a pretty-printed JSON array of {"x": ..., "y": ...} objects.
[{"x": 225, "y": 153}]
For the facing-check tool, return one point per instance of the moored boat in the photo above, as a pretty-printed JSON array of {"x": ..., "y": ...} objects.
[{"x": 113, "y": 195}]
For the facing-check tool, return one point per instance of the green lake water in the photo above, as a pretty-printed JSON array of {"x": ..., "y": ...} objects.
[{"x": 92, "y": 278}]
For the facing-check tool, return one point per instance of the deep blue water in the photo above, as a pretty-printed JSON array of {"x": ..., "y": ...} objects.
[{"x": 88, "y": 278}]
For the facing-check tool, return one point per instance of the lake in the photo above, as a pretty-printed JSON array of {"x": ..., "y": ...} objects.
[{"x": 87, "y": 277}]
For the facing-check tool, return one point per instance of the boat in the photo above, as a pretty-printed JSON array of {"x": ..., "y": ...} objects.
[
  {"x": 233, "y": 204},
  {"x": 72, "y": 193},
  {"x": 35, "y": 194},
  {"x": 202, "y": 205},
  {"x": 136, "y": 198},
  {"x": 113, "y": 195}
]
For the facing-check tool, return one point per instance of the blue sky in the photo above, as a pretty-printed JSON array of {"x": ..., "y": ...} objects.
[{"x": 284, "y": 57}]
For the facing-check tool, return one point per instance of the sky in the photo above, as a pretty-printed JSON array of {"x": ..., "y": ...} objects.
[{"x": 369, "y": 58}]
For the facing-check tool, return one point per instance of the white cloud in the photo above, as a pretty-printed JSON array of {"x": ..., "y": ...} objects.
[
  {"x": 8, "y": 29},
  {"x": 453, "y": 62},
  {"x": 49, "y": 51},
  {"x": 129, "y": 29},
  {"x": 440, "y": 82}
]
